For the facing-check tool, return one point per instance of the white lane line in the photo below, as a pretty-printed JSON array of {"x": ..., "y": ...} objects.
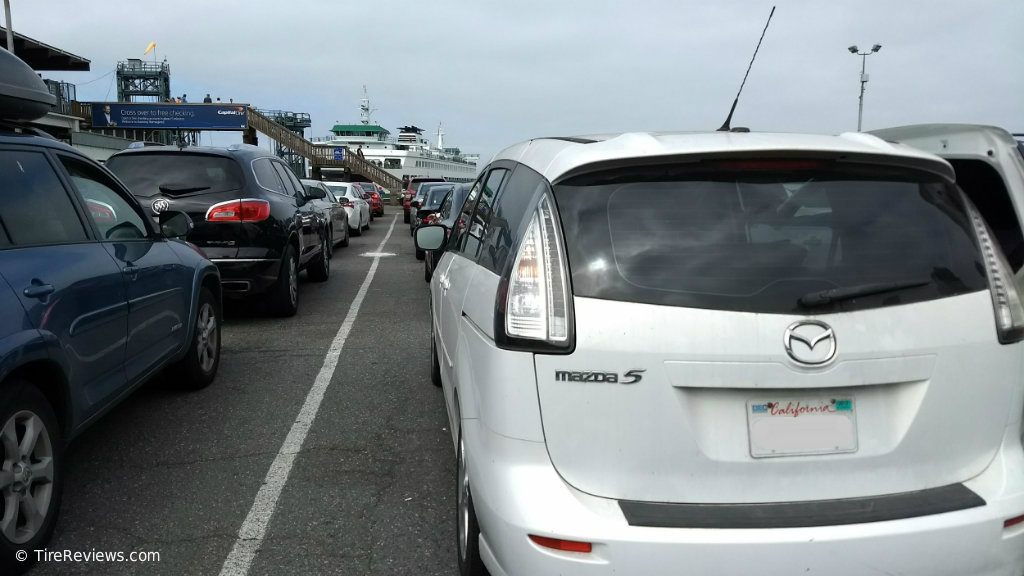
[{"x": 253, "y": 530}]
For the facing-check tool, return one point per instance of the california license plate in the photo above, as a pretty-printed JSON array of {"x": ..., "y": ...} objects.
[{"x": 803, "y": 426}]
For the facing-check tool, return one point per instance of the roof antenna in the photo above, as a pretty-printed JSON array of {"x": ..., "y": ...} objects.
[{"x": 725, "y": 127}]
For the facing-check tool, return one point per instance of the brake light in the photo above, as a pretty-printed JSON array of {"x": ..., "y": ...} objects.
[
  {"x": 1005, "y": 299},
  {"x": 537, "y": 304},
  {"x": 563, "y": 545},
  {"x": 101, "y": 211},
  {"x": 1013, "y": 521},
  {"x": 244, "y": 210},
  {"x": 742, "y": 165}
]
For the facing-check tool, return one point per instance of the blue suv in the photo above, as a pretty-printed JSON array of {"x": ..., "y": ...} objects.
[{"x": 95, "y": 298}]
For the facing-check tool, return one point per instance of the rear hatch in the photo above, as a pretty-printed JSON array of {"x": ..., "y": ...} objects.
[
  {"x": 191, "y": 183},
  {"x": 772, "y": 331}
]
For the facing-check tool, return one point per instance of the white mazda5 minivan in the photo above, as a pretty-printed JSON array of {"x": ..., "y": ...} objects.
[{"x": 734, "y": 353}]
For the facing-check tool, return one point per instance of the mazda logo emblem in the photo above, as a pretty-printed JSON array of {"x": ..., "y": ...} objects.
[
  {"x": 161, "y": 205},
  {"x": 810, "y": 342}
]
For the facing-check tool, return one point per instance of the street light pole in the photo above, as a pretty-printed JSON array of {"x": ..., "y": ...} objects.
[
  {"x": 863, "y": 78},
  {"x": 7, "y": 24}
]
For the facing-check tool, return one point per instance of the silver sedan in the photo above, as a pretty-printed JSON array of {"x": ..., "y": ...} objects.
[{"x": 358, "y": 209}]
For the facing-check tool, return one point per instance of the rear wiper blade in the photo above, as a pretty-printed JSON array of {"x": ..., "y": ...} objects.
[
  {"x": 831, "y": 295},
  {"x": 176, "y": 189}
]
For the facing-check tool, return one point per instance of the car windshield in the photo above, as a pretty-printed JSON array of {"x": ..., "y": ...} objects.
[
  {"x": 150, "y": 174},
  {"x": 826, "y": 237}
]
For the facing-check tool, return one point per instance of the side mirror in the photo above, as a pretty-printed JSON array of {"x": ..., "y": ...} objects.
[
  {"x": 317, "y": 193},
  {"x": 430, "y": 237},
  {"x": 175, "y": 224}
]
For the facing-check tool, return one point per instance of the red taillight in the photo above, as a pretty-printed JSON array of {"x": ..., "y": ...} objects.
[
  {"x": 245, "y": 210},
  {"x": 101, "y": 211},
  {"x": 1013, "y": 521},
  {"x": 563, "y": 545}
]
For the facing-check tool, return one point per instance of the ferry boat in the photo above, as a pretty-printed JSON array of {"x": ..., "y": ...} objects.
[{"x": 408, "y": 155}]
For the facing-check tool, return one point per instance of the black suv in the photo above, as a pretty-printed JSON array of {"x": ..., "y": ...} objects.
[{"x": 252, "y": 216}]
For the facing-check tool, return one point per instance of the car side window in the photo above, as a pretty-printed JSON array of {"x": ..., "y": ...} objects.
[
  {"x": 115, "y": 218},
  {"x": 458, "y": 239},
  {"x": 508, "y": 213},
  {"x": 34, "y": 206},
  {"x": 474, "y": 236},
  {"x": 290, "y": 180},
  {"x": 267, "y": 177},
  {"x": 446, "y": 207}
]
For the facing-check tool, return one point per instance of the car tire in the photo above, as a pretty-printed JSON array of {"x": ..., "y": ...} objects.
[
  {"x": 284, "y": 299},
  {"x": 420, "y": 254},
  {"x": 427, "y": 272},
  {"x": 467, "y": 532},
  {"x": 367, "y": 227},
  {"x": 355, "y": 231},
  {"x": 344, "y": 242},
  {"x": 199, "y": 366},
  {"x": 320, "y": 266},
  {"x": 405, "y": 218},
  {"x": 22, "y": 404},
  {"x": 435, "y": 362}
]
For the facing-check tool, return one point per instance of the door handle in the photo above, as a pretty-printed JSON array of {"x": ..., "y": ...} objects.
[
  {"x": 38, "y": 290},
  {"x": 132, "y": 271}
]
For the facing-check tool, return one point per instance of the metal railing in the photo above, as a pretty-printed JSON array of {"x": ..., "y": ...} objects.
[{"x": 320, "y": 155}]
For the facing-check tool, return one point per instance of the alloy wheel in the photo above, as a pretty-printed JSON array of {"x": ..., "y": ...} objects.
[
  {"x": 26, "y": 478},
  {"x": 206, "y": 326},
  {"x": 293, "y": 281}
]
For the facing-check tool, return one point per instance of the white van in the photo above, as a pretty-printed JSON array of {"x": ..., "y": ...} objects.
[{"x": 737, "y": 353}]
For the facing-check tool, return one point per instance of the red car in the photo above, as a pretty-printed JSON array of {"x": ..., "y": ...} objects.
[
  {"x": 410, "y": 192},
  {"x": 371, "y": 195}
]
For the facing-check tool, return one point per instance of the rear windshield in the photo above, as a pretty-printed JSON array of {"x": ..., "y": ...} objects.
[
  {"x": 178, "y": 174},
  {"x": 773, "y": 238},
  {"x": 423, "y": 190},
  {"x": 435, "y": 196}
]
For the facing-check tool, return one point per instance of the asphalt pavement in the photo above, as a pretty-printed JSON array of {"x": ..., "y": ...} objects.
[{"x": 370, "y": 490}]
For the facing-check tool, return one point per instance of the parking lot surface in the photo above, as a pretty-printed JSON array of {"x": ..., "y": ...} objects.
[{"x": 370, "y": 489}]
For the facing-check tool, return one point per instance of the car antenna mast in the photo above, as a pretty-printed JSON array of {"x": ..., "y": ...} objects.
[{"x": 725, "y": 126}]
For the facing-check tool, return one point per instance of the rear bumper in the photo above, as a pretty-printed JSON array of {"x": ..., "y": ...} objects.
[
  {"x": 517, "y": 492},
  {"x": 244, "y": 277}
]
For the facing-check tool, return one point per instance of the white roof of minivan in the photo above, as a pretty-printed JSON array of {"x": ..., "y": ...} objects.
[{"x": 555, "y": 158}]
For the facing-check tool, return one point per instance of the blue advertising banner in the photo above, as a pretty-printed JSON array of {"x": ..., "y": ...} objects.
[{"x": 157, "y": 116}]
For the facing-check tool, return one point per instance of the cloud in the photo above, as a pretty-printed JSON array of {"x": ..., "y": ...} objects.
[{"x": 495, "y": 73}]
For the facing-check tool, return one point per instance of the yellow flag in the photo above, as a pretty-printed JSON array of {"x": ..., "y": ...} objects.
[{"x": 150, "y": 47}]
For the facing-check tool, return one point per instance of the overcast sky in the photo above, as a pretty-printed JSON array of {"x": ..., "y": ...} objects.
[{"x": 495, "y": 73}]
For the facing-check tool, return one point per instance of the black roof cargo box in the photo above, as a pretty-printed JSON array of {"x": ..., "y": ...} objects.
[{"x": 23, "y": 94}]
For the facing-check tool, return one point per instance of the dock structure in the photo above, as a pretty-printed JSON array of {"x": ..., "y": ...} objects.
[
  {"x": 285, "y": 136},
  {"x": 319, "y": 157}
]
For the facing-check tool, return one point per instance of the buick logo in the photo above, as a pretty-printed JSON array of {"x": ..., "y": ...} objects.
[
  {"x": 810, "y": 342},
  {"x": 161, "y": 205}
]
